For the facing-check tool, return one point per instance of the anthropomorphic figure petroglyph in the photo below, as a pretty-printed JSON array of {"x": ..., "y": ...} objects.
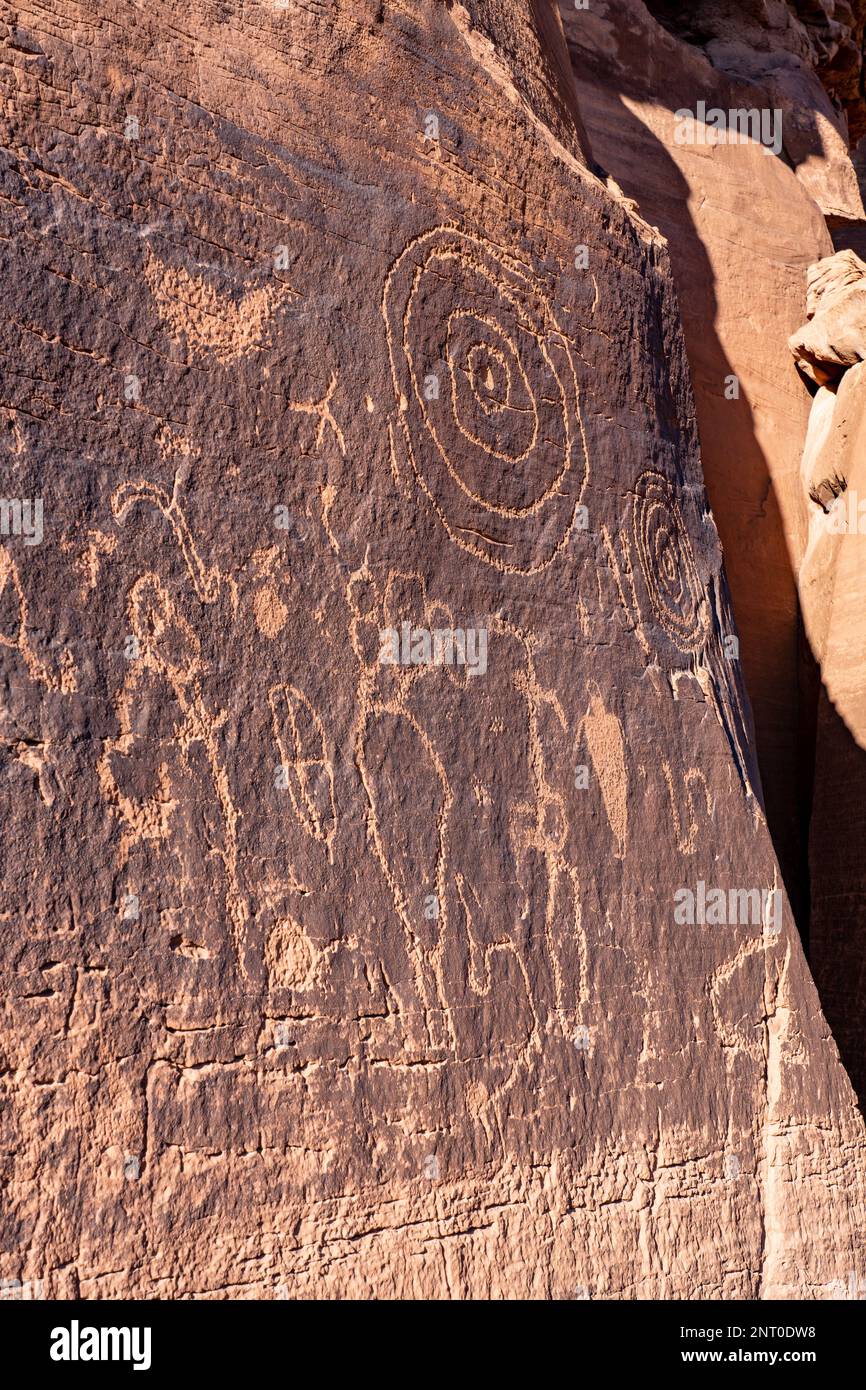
[
  {"x": 484, "y": 822},
  {"x": 165, "y": 661}
]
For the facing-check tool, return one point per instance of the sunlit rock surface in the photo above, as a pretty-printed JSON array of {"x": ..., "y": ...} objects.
[{"x": 332, "y": 972}]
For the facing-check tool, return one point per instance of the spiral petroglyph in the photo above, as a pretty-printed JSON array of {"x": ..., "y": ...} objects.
[
  {"x": 667, "y": 563},
  {"x": 487, "y": 398}
]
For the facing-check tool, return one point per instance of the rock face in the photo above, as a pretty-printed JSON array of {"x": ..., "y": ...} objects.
[
  {"x": 340, "y": 967},
  {"x": 834, "y": 335},
  {"x": 799, "y": 43},
  {"x": 742, "y": 229},
  {"x": 739, "y": 226},
  {"x": 829, "y": 348}
]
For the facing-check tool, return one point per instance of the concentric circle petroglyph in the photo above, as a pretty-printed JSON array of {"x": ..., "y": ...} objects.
[
  {"x": 487, "y": 397},
  {"x": 667, "y": 563}
]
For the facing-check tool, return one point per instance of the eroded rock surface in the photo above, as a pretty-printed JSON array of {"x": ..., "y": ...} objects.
[
  {"x": 834, "y": 335},
  {"x": 830, "y": 349},
  {"x": 810, "y": 49},
  {"x": 742, "y": 230},
  {"x": 330, "y": 975}
]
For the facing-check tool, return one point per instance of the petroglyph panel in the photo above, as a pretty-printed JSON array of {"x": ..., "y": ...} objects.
[
  {"x": 368, "y": 969},
  {"x": 207, "y": 321},
  {"x": 667, "y": 563},
  {"x": 487, "y": 398}
]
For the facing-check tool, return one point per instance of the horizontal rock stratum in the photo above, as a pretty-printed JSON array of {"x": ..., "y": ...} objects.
[{"x": 335, "y": 975}]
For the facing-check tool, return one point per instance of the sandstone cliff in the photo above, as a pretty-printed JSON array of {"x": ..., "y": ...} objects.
[{"x": 332, "y": 975}]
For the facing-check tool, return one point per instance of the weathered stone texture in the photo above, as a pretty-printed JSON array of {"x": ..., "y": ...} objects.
[
  {"x": 742, "y": 230},
  {"x": 830, "y": 348},
  {"x": 328, "y": 977}
]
